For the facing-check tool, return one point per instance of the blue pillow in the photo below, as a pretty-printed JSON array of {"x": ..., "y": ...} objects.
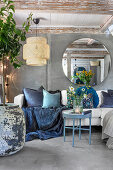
[
  {"x": 50, "y": 100},
  {"x": 33, "y": 97},
  {"x": 107, "y": 100}
]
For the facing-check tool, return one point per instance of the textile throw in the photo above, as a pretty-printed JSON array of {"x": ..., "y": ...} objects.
[{"x": 43, "y": 123}]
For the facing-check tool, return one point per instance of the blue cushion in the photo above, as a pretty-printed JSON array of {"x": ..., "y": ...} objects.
[
  {"x": 89, "y": 90},
  {"x": 50, "y": 100},
  {"x": 107, "y": 100},
  {"x": 33, "y": 97}
]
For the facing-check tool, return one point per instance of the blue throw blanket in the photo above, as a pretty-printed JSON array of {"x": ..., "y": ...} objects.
[{"x": 43, "y": 123}]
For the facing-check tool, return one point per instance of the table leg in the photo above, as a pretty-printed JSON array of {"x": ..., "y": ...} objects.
[
  {"x": 79, "y": 129},
  {"x": 64, "y": 128},
  {"x": 90, "y": 130},
  {"x": 73, "y": 132}
]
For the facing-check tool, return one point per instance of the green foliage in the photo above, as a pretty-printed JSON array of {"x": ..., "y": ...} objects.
[{"x": 11, "y": 37}]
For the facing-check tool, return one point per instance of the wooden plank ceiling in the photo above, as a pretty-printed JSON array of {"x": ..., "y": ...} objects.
[
  {"x": 88, "y": 7},
  {"x": 68, "y": 6},
  {"x": 81, "y": 49}
]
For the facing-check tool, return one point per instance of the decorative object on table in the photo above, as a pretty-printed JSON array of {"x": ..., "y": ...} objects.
[
  {"x": 73, "y": 100},
  {"x": 70, "y": 94},
  {"x": 36, "y": 51},
  {"x": 12, "y": 129},
  {"x": 84, "y": 76},
  {"x": 89, "y": 90},
  {"x": 11, "y": 38}
]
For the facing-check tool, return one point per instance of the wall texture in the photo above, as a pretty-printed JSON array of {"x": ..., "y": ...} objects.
[{"x": 52, "y": 76}]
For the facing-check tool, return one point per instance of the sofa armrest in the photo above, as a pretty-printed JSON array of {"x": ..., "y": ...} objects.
[{"x": 19, "y": 100}]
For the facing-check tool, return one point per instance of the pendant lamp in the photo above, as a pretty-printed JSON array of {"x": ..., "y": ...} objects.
[{"x": 36, "y": 51}]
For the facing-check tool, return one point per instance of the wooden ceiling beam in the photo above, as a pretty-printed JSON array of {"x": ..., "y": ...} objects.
[
  {"x": 87, "y": 52},
  {"x": 85, "y": 57},
  {"x": 85, "y": 46},
  {"x": 106, "y": 24},
  {"x": 67, "y": 6},
  {"x": 58, "y": 30}
]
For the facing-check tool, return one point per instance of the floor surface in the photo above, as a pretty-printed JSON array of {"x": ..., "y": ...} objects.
[{"x": 54, "y": 154}]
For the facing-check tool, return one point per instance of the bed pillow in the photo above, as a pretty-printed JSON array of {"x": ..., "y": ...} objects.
[
  {"x": 107, "y": 100},
  {"x": 50, "y": 100},
  {"x": 33, "y": 97}
]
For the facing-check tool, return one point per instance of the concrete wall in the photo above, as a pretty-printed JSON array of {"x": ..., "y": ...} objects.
[{"x": 52, "y": 76}]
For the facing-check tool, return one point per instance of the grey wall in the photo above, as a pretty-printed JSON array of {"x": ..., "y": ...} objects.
[{"x": 52, "y": 76}]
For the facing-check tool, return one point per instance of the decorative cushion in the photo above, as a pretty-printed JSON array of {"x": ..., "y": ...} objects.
[
  {"x": 50, "y": 100},
  {"x": 99, "y": 93},
  {"x": 88, "y": 102},
  {"x": 57, "y": 91},
  {"x": 33, "y": 97},
  {"x": 107, "y": 100},
  {"x": 89, "y": 90},
  {"x": 110, "y": 92}
]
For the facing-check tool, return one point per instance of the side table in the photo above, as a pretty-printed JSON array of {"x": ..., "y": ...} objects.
[{"x": 71, "y": 115}]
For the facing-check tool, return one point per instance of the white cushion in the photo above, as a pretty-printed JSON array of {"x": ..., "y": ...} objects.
[
  {"x": 18, "y": 100},
  {"x": 64, "y": 97}
]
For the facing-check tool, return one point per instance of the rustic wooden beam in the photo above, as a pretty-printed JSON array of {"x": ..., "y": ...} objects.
[
  {"x": 58, "y": 30},
  {"x": 109, "y": 22},
  {"x": 86, "y": 52},
  {"x": 85, "y": 46},
  {"x": 67, "y": 6},
  {"x": 78, "y": 57}
]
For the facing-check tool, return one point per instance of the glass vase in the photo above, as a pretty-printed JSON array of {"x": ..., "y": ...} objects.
[{"x": 77, "y": 106}]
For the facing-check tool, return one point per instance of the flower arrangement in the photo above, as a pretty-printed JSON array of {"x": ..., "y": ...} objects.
[
  {"x": 74, "y": 97},
  {"x": 85, "y": 76}
]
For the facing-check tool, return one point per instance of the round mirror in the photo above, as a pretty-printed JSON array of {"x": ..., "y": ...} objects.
[{"x": 89, "y": 56}]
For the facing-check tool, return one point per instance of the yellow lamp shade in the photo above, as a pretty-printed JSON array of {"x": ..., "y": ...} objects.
[
  {"x": 36, "y": 62},
  {"x": 36, "y": 50},
  {"x": 41, "y": 40}
]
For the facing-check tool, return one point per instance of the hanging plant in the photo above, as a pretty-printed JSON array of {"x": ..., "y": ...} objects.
[{"x": 11, "y": 37}]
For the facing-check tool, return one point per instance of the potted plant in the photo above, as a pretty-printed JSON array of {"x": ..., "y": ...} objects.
[
  {"x": 12, "y": 133},
  {"x": 11, "y": 37}
]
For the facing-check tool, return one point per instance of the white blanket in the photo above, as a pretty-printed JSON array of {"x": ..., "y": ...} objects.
[{"x": 107, "y": 130}]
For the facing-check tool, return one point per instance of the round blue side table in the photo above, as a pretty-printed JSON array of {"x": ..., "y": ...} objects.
[{"x": 71, "y": 115}]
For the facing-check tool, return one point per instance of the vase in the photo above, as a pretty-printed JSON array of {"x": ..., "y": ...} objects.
[
  {"x": 77, "y": 106},
  {"x": 12, "y": 129}
]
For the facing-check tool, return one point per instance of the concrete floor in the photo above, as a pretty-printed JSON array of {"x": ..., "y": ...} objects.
[{"x": 54, "y": 154}]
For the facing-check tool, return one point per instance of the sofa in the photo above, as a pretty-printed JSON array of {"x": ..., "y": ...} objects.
[{"x": 97, "y": 113}]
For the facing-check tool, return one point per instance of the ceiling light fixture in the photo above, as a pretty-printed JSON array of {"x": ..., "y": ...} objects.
[{"x": 36, "y": 51}]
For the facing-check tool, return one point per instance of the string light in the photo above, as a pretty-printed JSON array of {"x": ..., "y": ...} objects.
[{"x": 7, "y": 76}]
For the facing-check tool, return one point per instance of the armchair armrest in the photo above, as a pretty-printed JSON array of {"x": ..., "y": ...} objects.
[{"x": 19, "y": 100}]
